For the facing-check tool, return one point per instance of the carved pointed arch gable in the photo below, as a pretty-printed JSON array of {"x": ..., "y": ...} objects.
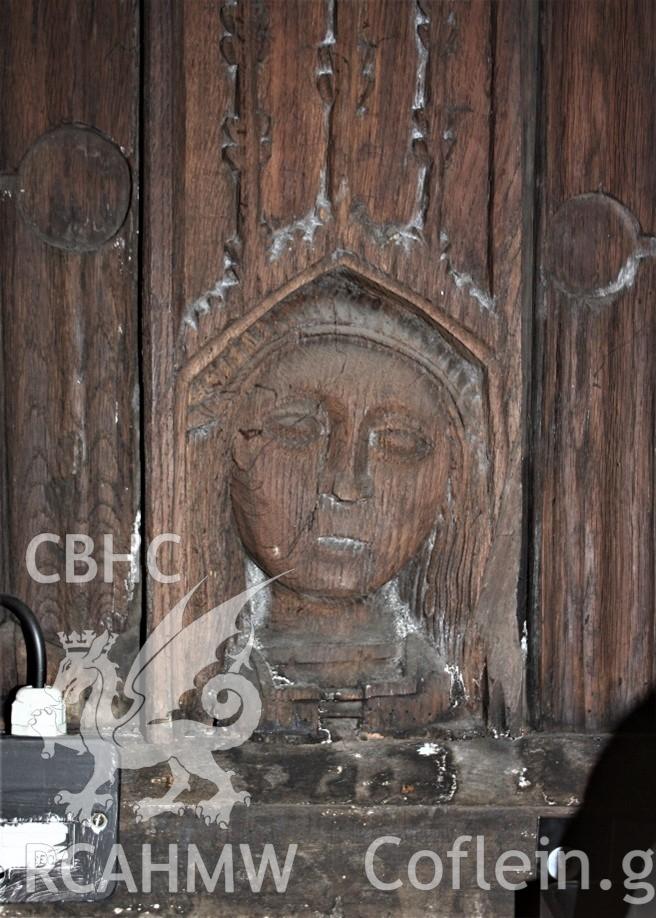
[{"x": 445, "y": 585}]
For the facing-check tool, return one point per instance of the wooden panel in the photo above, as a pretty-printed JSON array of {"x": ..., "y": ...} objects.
[
  {"x": 369, "y": 153},
  {"x": 68, "y": 152},
  {"x": 595, "y": 369},
  {"x": 328, "y": 875},
  {"x": 532, "y": 771}
]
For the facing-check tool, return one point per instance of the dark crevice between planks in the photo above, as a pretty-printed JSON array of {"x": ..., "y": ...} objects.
[
  {"x": 8, "y": 630},
  {"x": 491, "y": 147},
  {"x": 528, "y": 613},
  {"x": 141, "y": 224}
]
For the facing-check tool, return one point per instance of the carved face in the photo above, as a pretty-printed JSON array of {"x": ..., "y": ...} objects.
[{"x": 340, "y": 463}]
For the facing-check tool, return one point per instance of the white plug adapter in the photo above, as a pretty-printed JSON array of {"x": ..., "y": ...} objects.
[{"x": 38, "y": 712}]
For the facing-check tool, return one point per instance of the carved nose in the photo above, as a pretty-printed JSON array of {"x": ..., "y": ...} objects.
[
  {"x": 349, "y": 486},
  {"x": 346, "y": 474}
]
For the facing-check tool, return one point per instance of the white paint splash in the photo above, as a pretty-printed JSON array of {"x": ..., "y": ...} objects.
[
  {"x": 135, "y": 545},
  {"x": 404, "y": 623},
  {"x": 305, "y": 226},
  {"x": 464, "y": 281},
  {"x": 278, "y": 679},
  {"x": 260, "y": 603},
  {"x": 458, "y": 691},
  {"x": 218, "y": 292},
  {"x": 429, "y": 749},
  {"x": 522, "y": 779},
  {"x": 624, "y": 280}
]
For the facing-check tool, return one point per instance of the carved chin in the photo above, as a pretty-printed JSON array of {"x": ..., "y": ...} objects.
[
  {"x": 335, "y": 568},
  {"x": 330, "y": 584}
]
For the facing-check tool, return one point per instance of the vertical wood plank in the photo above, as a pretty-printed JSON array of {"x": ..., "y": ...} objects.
[
  {"x": 69, "y": 154},
  {"x": 161, "y": 110},
  {"x": 192, "y": 166},
  {"x": 383, "y": 138},
  {"x": 594, "y": 367}
]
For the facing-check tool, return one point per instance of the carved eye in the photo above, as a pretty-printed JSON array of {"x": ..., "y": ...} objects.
[
  {"x": 401, "y": 443},
  {"x": 295, "y": 428}
]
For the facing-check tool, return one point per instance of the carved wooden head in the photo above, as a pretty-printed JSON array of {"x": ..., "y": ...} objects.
[
  {"x": 340, "y": 436},
  {"x": 340, "y": 462}
]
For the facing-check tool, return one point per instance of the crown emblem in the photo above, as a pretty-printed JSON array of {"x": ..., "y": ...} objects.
[{"x": 76, "y": 641}]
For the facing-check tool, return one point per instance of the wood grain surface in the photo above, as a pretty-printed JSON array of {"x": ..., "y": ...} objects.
[
  {"x": 594, "y": 369},
  {"x": 334, "y": 801},
  {"x": 69, "y": 151},
  {"x": 384, "y": 142},
  {"x": 292, "y": 151}
]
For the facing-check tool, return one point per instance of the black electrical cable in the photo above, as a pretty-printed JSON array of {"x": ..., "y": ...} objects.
[{"x": 34, "y": 640}]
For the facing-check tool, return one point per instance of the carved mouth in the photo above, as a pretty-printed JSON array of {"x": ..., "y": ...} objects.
[{"x": 342, "y": 543}]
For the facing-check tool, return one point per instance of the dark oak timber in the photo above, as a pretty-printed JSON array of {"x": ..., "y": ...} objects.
[{"x": 68, "y": 151}]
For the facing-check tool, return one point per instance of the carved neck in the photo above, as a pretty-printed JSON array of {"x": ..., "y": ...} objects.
[
  {"x": 322, "y": 617},
  {"x": 333, "y": 641}
]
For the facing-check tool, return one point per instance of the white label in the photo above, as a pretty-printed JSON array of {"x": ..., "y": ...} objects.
[{"x": 32, "y": 845}]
